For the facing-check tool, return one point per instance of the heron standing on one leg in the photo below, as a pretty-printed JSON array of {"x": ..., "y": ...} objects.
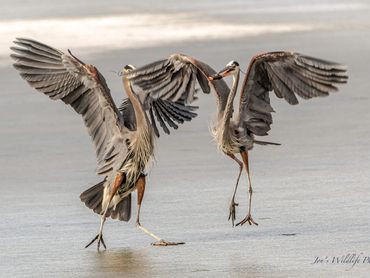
[{"x": 124, "y": 143}]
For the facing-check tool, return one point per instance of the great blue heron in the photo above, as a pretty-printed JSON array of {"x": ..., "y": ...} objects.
[
  {"x": 124, "y": 142},
  {"x": 287, "y": 74}
]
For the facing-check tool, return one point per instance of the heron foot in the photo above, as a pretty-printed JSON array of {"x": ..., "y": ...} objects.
[
  {"x": 232, "y": 211},
  {"x": 248, "y": 219},
  {"x": 166, "y": 243},
  {"x": 100, "y": 239}
]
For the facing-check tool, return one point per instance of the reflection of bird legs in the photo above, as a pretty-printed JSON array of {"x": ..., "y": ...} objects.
[
  {"x": 232, "y": 203},
  {"x": 113, "y": 189},
  {"x": 248, "y": 218},
  {"x": 140, "y": 187}
]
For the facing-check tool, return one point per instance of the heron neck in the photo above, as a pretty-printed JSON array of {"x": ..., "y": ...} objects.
[
  {"x": 140, "y": 116},
  {"x": 142, "y": 143},
  {"x": 230, "y": 100}
]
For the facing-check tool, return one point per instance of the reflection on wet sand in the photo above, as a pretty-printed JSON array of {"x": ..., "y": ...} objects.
[
  {"x": 306, "y": 187},
  {"x": 126, "y": 261}
]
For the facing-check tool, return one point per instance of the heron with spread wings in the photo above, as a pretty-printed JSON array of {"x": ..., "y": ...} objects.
[
  {"x": 287, "y": 74},
  {"x": 161, "y": 92},
  {"x": 124, "y": 143}
]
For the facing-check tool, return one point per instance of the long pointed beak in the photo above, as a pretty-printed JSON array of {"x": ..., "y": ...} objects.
[
  {"x": 221, "y": 74},
  {"x": 215, "y": 77}
]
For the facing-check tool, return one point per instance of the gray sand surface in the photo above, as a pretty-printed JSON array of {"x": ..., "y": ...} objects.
[{"x": 314, "y": 187}]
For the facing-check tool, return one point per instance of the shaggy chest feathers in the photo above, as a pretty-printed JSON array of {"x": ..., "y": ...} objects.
[
  {"x": 226, "y": 138},
  {"x": 140, "y": 153},
  {"x": 231, "y": 138}
]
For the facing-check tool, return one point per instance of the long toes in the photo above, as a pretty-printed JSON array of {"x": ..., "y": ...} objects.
[
  {"x": 91, "y": 242},
  {"x": 102, "y": 241},
  {"x": 247, "y": 219},
  {"x": 232, "y": 217},
  {"x": 160, "y": 243},
  {"x": 251, "y": 221},
  {"x": 241, "y": 223},
  {"x": 98, "y": 245},
  {"x": 167, "y": 243},
  {"x": 232, "y": 214},
  {"x": 254, "y": 222}
]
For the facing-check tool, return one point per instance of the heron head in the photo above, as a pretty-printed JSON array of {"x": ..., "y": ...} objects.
[
  {"x": 127, "y": 69},
  {"x": 231, "y": 68}
]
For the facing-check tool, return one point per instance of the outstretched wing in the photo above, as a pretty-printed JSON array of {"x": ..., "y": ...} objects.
[
  {"x": 167, "y": 87},
  {"x": 288, "y": 75},
  {"x": 61, "y": 76},
  {"x": 172, "y": 113}
]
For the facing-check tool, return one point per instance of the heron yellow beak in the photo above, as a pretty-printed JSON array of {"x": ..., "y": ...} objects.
[{"x": 222, "y": 73}]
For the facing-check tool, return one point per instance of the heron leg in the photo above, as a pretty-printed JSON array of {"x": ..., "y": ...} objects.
[
  {"x": 99, "y": 236},
  {"x": 248, "y": 218},
  {"x": 140, "y": 187},
  {"x": 116, "y": 184},
  {"x": 232, "y": 203}
]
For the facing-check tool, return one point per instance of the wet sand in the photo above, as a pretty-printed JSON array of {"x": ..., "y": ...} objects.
[{"x": 311, "y": 194}]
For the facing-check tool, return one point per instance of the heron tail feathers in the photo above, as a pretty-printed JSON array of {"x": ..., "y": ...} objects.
[
  {"x": 266, "y": 143},
  {"x": 122, "y": 211},
  {"x": 93, "y": 198}
]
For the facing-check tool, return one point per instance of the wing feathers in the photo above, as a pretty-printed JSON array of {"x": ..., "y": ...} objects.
[
  {"x": 167, "y": 87},
  {"x": 38, "y": 56},
  {"x": 288, "y": 75},
  {"x": 39, "y": 49},
  {"x": 164, "y": 114},
  {"x": 203, "y": 82},
  {"x": 159, "y": 118},
  {"x": 32, "y": 70},
  {"x": 61, "y": 76},
  {"x": 38, "y": 45},
  {"x": 153, "y": 122},
  {"x": 280, "y": 86}
]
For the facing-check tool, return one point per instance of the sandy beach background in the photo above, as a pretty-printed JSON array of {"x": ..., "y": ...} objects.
[{"x": 315, "y": 187}]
